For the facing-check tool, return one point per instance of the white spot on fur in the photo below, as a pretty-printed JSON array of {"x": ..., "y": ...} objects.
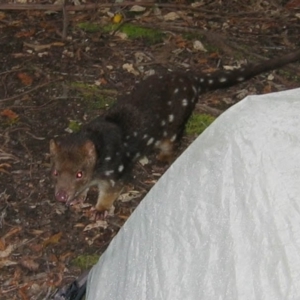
[
  {"x": 240, "y": 79},
  {"x": 145, "y": 136},
  {"x": 112, "y": 183},
  {"x": 127, "y": 137},
  {"x": 194, "y": 89},
  {"x": 184, "y": 102},
  {"x": 134, "y": 133},
  {"x": 108, "y": 158},
  {"x": 176, "y": 91},
  {"x": 108, "y": 173},
  {"x": 169, "y": 102},
  {"x": 157, "y": 143},
  {"x": 165, "y": 133},
  {"x": 163, "y": 123},
  {"x": 222, "y": 79},
  {"x": 173, "y": 138},
  {"x": 202, "y": 79},
  {"x": 138, "y": 154},
  {"x": 210, "y": 81},
  {"x": 150, "y": 141},
  {"x": 120, "y": 168},
  {"x": 171, "y": 118},
  {"x": 184, "y": 88}
]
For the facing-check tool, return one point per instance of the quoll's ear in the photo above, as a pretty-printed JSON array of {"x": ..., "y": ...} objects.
[
  {"x": 53, "y": 147},
  {"x": 90, "y": 150}
]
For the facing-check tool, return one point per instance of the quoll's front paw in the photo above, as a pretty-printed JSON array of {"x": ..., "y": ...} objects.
[
  {"x": 102, "y": 214},
  {"x": 98, "y": 215}
]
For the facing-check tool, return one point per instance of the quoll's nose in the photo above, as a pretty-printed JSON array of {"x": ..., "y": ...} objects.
[{"x": 61, "y": 196}]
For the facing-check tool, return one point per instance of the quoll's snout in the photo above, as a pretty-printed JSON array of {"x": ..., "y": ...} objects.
[{"x": 61, "y": 196}]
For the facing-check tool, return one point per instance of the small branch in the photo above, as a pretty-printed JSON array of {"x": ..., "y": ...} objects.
[
  {"x": 54, "y": 7},
  {"x": 65, "y": 20},
  {"x": 213, "y": 111},
  {"x": 27, "y": 92}
]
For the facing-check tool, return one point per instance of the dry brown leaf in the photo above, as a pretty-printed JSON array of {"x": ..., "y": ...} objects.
[
  {"x": 197, "y": 45},
  {"x": 22, "y": 292},
  {"x": 79, "y": 225},
  {"x": 12, "y": 231},
  {"x": 7, "y": 251},
  {"x": 27, "y": 33},
  {"x": 6, "y": 263},
  {"x": 2, "y": 15},
  {"x": 123, "y": 217},
  {"x": 64, "y": 256},
  {"x": 58, "y": 44},
  {"x": 54, "y": 239},
  {"x": 2, "y": 244},
  {"x": 19, "y": 55},
  {"x": 3, "y": 170},
  {"x": 37, "y": 47},
  {"x": 126, "y": 197},
  {"x": 214, "y": 55},
  {"x": 17, "y": 275},
  {"x": 293, "y": 4},
  {"x": 267, "y": 89},
  {"x": 150, "y": 181},
  {"x": 25, "y": 78},
  {"x": 8, "y": 113},
  {"x": 29, "y": 264},
  {"x": 180, "y": 42},
  {"x": 36, "y": 232},
  {"x": 52, "y": 258},
  {"x": 36, "y": 247},
  {"x": 130, "y": 69},
  {"x": 171, "y": 16},
  {"x": 97, "y": 224}
]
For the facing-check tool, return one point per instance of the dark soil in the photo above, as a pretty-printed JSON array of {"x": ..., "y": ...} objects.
[{"x": 40, "y": 93}]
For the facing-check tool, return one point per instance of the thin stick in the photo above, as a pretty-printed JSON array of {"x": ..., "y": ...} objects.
[{"x": 27, "y": 92}]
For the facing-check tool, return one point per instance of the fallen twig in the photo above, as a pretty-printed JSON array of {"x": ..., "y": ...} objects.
[
  {"x": 54, "y": 7},
  {"x": 28, "y": 92}
]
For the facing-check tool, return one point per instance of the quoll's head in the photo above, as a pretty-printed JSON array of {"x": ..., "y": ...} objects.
[{"x": 73, "y": 163}]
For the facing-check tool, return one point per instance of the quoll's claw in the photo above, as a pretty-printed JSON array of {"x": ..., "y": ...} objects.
[{"x": 99, "y": 215}]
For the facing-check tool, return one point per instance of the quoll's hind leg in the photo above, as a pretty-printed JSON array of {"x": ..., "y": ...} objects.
[
  {"x": 109, "y": 191},
  {"x": 166, "y": 153}
]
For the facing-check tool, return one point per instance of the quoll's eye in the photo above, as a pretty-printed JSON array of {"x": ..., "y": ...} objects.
[
  {"x": 55, "y": 173},
  {"x": 79, "y": 174}
]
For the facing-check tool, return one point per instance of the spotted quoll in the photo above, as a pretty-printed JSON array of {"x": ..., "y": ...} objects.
[{"x": 152, "y": 117}]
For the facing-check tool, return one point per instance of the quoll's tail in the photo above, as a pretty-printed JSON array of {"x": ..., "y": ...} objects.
[{"x": 224, "y": 79}]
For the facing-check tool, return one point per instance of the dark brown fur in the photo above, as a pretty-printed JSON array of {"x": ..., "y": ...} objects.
[{"x": 152, "y": 117}]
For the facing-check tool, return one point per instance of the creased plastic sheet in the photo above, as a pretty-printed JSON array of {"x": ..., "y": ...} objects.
[{"x": 224, "y": 221}]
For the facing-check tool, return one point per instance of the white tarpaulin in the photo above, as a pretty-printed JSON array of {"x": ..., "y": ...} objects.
[{"x": 223, "y": 222}]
